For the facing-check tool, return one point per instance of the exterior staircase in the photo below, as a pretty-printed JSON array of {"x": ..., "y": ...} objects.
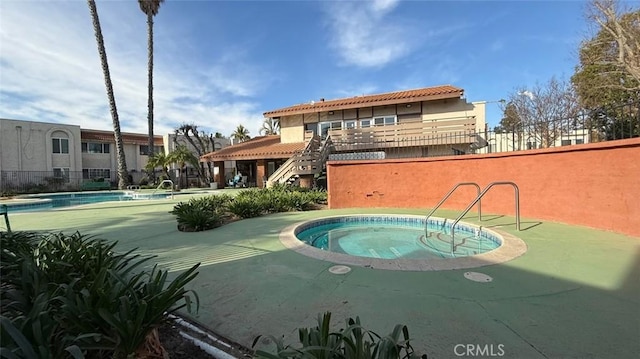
[{"x": 308, "y": 162}]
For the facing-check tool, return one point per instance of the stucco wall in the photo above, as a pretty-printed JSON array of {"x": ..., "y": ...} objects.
[
  {"x": 292, "y": 127},
  {"x": 26, "y": 146},
  {"x": 595, "y": 185}
]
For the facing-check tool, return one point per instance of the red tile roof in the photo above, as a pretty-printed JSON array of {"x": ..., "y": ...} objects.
[
  {"x": 262, "y": 147},
  {"x": 390, "y": 98},
  {"x": 127, "y": 138}
]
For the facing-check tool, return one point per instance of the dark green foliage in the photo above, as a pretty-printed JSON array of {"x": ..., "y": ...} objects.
[
  {"x": 73, "y": 295},
  {"x": 248, "y": 206},
  {"x": 352, "y": 342},
  {"x": 201, "y": 214}
]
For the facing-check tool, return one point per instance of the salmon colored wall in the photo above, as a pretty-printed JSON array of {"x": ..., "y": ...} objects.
[{"x": 595, "y": 185}]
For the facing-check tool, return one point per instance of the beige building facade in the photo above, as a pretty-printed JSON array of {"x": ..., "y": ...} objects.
[
  {"x": 39, "y": 146},
  {"x": 411, "y": 123},
  {"x": 38, "y": 153}
]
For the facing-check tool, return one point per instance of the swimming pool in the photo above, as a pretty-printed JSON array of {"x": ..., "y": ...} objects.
[
  {"x": 59, "y": 200},
  {"x": 399, "y": 242}
]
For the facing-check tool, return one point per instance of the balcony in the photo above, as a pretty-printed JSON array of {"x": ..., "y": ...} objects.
[{"x": 449, "y": 131}]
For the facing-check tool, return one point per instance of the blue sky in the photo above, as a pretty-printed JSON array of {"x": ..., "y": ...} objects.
[{"x": 223, "y": 63}]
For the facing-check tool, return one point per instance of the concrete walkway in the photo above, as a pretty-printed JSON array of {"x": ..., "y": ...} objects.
[{"x": 574, "y": 294}]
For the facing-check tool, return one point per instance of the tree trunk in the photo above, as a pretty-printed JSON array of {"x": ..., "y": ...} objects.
[
  {"x": 150, "y": 88},
  {"x": 123, "y": 175}
]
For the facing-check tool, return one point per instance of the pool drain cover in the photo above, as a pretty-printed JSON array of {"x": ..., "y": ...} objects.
[
  {"x": 477, "y": 277},
  {"x": 339, "y": 269}
]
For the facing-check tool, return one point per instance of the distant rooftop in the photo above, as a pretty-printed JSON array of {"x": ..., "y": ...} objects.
[
  {"x": 389, "y": 98},
  {"x": 128, "y": 138},
  {"x": 256, "y": 148}
]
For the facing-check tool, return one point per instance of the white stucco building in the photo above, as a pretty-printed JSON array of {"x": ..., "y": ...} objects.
[{"x": 34, "y": 154}]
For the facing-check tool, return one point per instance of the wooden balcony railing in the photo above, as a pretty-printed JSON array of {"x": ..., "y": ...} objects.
[{"x": 416, "y": 133}]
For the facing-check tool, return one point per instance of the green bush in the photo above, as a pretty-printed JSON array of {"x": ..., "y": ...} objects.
[
  {"x": 276, "y": 201},
  {"x": 73, "y": 295},
  {"x": 317, "y": 196},
  {"x": 248, "y": 206},
  {"x": 217, "y": 203},
  {"x": 352, "y": 342},
  {"x": 201, "y": 214},
  {"x": 300, "y": 201}
]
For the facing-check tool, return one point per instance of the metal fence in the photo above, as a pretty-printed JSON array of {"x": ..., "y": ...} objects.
[
  {"x": 600, "y": 125},
  {"x": 12, "y": 182}
]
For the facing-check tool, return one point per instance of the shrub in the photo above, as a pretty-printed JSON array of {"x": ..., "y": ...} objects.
[
  {"x": 352, "y": 342},
  {"x": 276, "y": 201},
  {"x": 199, "y": 214},
  {"x": 248, "y": 206},
  {"x": 300, "y": 201},
  {"x": 71, "y": 295},
  {"x": 317, "y": 196},
  {"x": 217, "y": 203}
]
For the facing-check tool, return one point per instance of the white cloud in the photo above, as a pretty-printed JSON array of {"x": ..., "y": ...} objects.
[
  {"x": 384, "y": 5},
  {"x": 50, "y": 72},
  {"x": 527, "y": 93},
  {"x": 362, "y": 34}
]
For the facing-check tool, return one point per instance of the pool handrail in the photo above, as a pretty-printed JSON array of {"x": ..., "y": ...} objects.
[
  {"x": 4, "y": 210},
  {"x": 477, "y": 199},
  {"x": 161, "y": 184},
  {"x": 426, "y": 221}
]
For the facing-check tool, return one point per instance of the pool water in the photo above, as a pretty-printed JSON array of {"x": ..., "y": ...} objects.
[
  {"x": 392, "y": 239},
  {"x": 50, "y": 201}
]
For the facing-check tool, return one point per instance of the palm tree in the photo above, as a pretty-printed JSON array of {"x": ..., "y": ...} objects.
[
  {"x": 159, "y": 159},
  {"x": 123, "y": 175},
  {"x": 270, "y": 126},
  {"x": 150, "y": 8},
  {"x": 183, "y": 156},
  {"x": 241, "y": 134}
]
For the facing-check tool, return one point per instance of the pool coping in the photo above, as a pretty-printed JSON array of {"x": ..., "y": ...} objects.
[{"x": 512, "y": 247}]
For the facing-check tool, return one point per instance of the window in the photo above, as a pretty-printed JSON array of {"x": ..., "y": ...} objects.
[
  {"x": 326, "y": 126},
  {"x": 144, "y": 149},
  {"x": 60, "y": 145},
  {"x": 579, "y": 141},
  {"x": 91, "y": 173},
  {"x": 384, "y": 120},
  {"x": 92, "y": 147},
  {"x": 350, "y": 124},
  {"x": 365, "y": 123},
  {"x": 566, "y": 143}
]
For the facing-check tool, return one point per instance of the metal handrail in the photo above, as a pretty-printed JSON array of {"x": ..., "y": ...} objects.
[
  {"x": 426, "y": 221},
  {"x": 4, "y": 210},
  {"x": 517, "y": 200},
  {"x": 162, "y": 183}
]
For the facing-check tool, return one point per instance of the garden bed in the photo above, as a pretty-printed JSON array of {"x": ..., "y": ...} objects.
[{"x": 173, "y": 337}]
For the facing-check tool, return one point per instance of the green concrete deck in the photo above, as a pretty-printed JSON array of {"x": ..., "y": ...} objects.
[{"x": 574, "y": 294}]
